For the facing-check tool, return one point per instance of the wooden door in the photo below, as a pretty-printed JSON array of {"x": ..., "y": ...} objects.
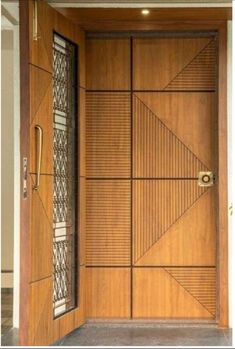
[
  {"x": 174, "y": 140},
  {"x": 151, "y": 133},
  {"x": 52, "y": 271}
]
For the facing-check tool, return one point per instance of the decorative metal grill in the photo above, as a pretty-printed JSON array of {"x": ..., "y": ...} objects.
[{"x": 65, "y": 176}]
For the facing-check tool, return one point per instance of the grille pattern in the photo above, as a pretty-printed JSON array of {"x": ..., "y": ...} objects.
[
  {"x": 199, "y": 282},
  {"x": 200, "y": 73},
  {"x": 108, "y": 134},
  {"x": 108, "y": 222},
  {"x": 64, "y": 199},
  {"x": 157, "y": 206},
  {"x": 157, "y": 151}
]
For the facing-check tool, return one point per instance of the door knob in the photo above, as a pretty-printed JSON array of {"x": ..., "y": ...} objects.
[{"x": 205, "y": 179}]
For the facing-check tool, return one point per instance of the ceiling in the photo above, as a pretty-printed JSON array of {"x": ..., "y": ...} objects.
[{"x": 140, "y": 3}]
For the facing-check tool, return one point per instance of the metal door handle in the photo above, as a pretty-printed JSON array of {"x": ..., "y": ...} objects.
[
  {"x": 206, "y": 179},
  {"x": 39, "y": 155}
]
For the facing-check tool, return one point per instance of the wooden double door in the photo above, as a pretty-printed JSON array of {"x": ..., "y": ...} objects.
[
  {"x": 116, "y": 220},
  {"x": 151, "y": 176}
]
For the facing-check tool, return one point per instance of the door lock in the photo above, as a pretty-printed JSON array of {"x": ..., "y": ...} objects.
[{"x": 205, "y": 179}]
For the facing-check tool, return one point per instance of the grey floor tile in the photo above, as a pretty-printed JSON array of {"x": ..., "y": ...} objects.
[
  {"x": 146, "y": 336},
  {"x": 10, "y": 338}
]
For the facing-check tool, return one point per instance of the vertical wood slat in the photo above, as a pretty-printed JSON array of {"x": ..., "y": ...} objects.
[
  {"x": 157, "y": 151},
  {"x": 157, "y": 205}
]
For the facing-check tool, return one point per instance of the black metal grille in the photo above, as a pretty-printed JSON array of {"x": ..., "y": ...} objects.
[{"x": 65, "y": 176}]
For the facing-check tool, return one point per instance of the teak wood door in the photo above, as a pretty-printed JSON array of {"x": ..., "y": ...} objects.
[
  {"x": 52, "y": 232},
  {"x": 151, "y": 134}
]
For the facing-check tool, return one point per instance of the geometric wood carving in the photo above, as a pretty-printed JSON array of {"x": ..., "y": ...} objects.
[
  {"x": 200, "y": 73},
  {"x": 199, "y": 282},
  {"x": 157, "y": 205},
  {"x": 157, "y": 151},
  {"x": 108, "y": 134},
  {"x": 108, "y": 222}
]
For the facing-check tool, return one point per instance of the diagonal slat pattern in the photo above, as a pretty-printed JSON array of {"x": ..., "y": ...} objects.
[
  {"x": 199, "y": 282},
  {"x": 157, "y": 205},
  {"x": 157, "y": 151},
  {"x": 200, "y": 73}
]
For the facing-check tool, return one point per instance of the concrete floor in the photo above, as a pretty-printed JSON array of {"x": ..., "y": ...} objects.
[
  {"x": 137, "y": 335},
  {"x": 146, "y": 335}
]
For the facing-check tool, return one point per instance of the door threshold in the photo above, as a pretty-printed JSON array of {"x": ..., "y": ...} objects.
[{"x": 151, "y": 323}]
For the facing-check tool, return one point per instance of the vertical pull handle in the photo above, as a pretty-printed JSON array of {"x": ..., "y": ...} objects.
[
  {"x": 35, "y": 21},
  {"x": 39, "y": 133}
]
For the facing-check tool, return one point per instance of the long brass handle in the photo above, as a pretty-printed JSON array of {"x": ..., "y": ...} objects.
[{"x": 39, "y": 155}]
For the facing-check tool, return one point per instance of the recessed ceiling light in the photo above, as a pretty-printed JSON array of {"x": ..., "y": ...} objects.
[{"x": 145, "y": 12}]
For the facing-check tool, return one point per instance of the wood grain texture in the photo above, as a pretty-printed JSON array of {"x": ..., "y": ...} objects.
[
  {"x": 41, "y": 228},
  {"x": 172, "y": 300},
  {"x": 41, "y": 114},
  {"x": 174, "y": 134},
  {"x": 40, "y": 315},
  {"x": 162, "y": 58},
  {"x": 108, "y": 222},
  {"x": 157, "y": 206},
  {"x": 99, "y": 19},
  {"x": 108, "y": 293},
  {"x": 41, "y": 49},
  {"x": 108, "y": 64},
  {"x": 223, "y": 183},
  {"x": 190, "y": 241},
  {"x": 200, "y": 73},
  {"x": 108, "y": 135},
  {"x": 36, "y": 305},
  {"x": 82, "y": 132},
  {"x": 72, "y": 32},
  {"x": 200, "y": 283}
]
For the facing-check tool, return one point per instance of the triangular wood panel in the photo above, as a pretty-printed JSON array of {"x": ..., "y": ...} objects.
[
  {"x": 156, "y": 294},
  {"x": 199, "y": 282},
  {"x": 191, "y": 240},
  {"x": 158, "y": 152},
  {"x": 157, "y": 206},
  {"x": 200, "y": 73}
]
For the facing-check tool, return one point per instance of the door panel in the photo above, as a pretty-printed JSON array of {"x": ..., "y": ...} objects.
[
  {"x": 108, "y": 134},
  {"x": 174, "y": 224},
  {"x": 174, "y": 134},
  {"x": 45, "y": 206},
  {"x": 174, "y": 139},
  {"x": 108, "y": 292},
  {"x": 158, "y": 145},
  {"x": 41, "y": 228},
  {"x": 41, "y": 114},
  {"x": 108, "y": 222},
  {"x": 174, "y": 293},
  {"x": 174, "y": 64},
  {"x": 113, "y": 70}
]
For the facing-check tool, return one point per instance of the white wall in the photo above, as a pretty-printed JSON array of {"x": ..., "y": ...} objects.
[
  {"x": 10, "y": 154},
  {"x": 7, "y": 145}
]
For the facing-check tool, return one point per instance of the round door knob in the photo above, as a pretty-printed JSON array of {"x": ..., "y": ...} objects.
[{"x": 206, "y": 178}]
